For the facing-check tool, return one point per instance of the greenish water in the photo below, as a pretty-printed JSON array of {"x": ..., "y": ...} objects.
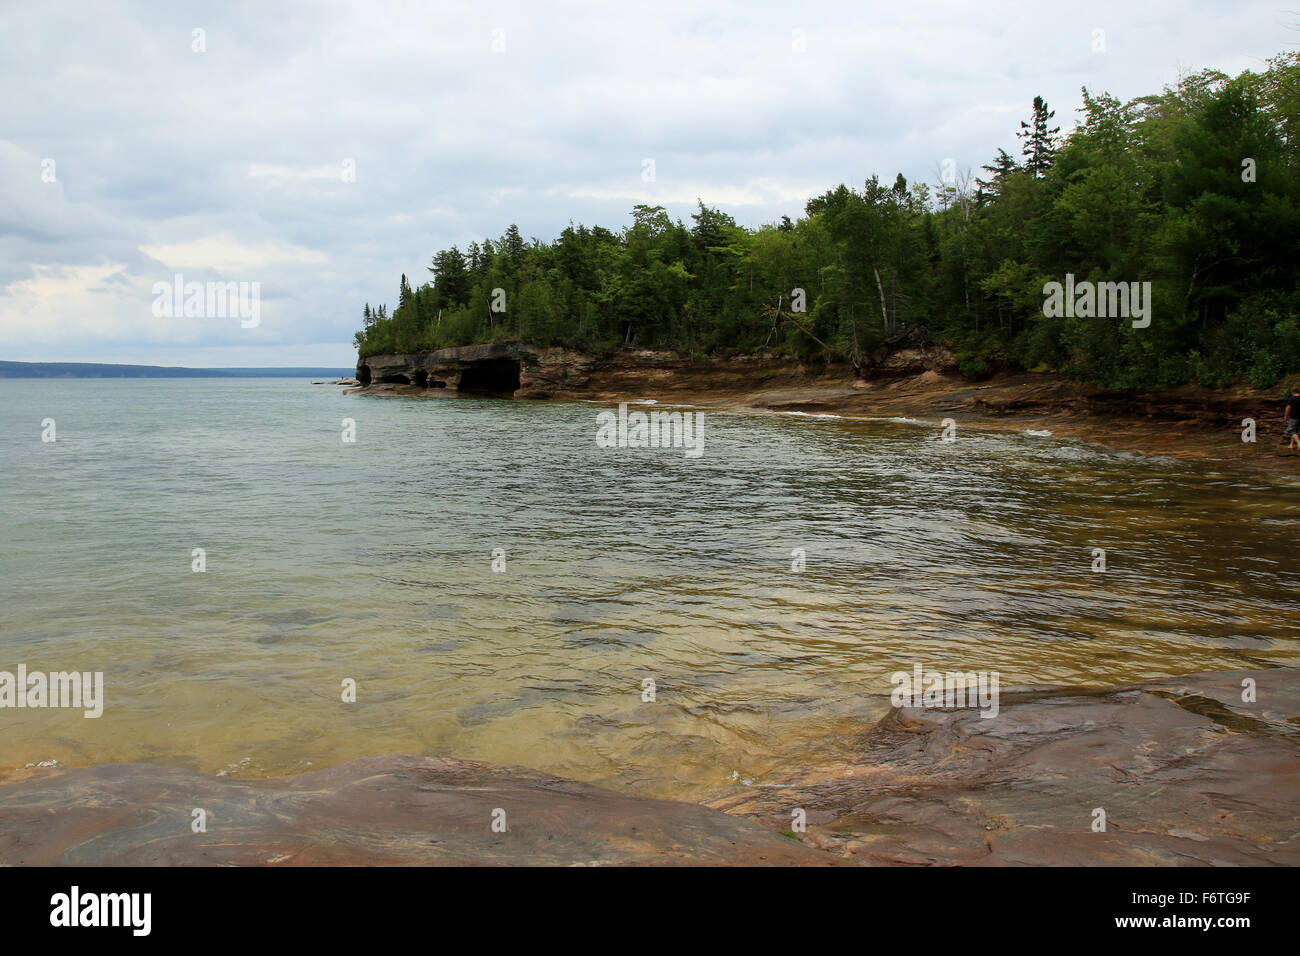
[{"x": 372, "y": 561}]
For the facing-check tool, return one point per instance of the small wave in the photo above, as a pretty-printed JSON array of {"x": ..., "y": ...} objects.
[
  {"x": 1038, "y": 432},
  {"x": 811, "y": 414}
]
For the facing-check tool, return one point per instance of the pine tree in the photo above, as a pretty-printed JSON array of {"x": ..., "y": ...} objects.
[
  {"x": 1039, "y": 140},
  {"x": 1001, "y": 167},
  {"x": 451, "y": 282},
  {"x": 513, "y": 246},
  {"x": 900, "y": 189}
]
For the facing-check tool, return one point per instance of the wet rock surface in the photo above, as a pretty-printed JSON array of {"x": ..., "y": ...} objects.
[
  {"x": 396, "y": 810},
  {"x": 1185, "y": 771}
]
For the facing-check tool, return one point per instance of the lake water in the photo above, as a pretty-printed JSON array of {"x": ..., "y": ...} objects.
[{"x": 373, "y": 561}]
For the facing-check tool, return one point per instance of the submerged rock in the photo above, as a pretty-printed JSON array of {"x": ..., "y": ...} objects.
[
  {"x": 376, "y": 810},
  {"x": 1185, "y": 772}
]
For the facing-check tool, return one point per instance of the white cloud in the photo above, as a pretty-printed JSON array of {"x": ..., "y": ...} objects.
[
  {"x": 278, "y": 172},
  {"x": 230, "y": 161},
  {"x": 758, "y": 193},
  {"x": 228, "y": 254}
]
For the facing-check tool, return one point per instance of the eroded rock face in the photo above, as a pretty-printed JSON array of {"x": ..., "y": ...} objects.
[
  {"x": 501, "y": 368},
  {"x": 377, "y": 810},
  {"x": 914, "y": 361},
  {"x": 388, "y": 369},
  {"x": 521, "y": 370},
  {"x": 912, "y": 353},
  {"x": 1185, "y": 771},
  {"x": 553, "y": 372}
]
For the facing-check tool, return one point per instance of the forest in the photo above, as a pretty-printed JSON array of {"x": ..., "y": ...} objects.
[{"x": 1195, "y": 190}]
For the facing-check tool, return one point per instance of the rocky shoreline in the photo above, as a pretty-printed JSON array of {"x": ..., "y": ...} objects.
[
  {"x": 1185, "y": 771},
  {"x": 1181, "y": 771},
  {"x": 915, "y": 381}
]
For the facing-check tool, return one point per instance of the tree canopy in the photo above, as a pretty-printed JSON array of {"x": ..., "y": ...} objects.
[{"x": 1195, "y": 189}]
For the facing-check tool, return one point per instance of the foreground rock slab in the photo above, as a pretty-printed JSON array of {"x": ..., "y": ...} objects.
[
  {"x": 1184, "y": 770},
  {"x": 376, "y": 810}
]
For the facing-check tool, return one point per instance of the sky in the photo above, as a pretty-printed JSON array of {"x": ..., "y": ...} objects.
[{"x": 320, "y": 150}]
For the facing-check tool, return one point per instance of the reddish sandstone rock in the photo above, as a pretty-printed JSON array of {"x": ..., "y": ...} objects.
[
  {"x": 376, "y": 810},
  {"x": 1186, "y": 772}
]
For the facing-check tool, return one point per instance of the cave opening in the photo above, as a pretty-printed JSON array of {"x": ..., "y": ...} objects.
[
  {"x": 396, "y": 378},
  {"x": 420, "y": 378},
  {"x": 363, "y": 374},
  {"x": 490, "y": 377}
]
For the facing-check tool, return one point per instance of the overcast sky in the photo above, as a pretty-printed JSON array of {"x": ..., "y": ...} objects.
[{"x": 231, "y": 163}]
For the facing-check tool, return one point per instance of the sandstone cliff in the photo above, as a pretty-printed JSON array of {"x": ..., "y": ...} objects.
[{"x": 521, "y": 370}]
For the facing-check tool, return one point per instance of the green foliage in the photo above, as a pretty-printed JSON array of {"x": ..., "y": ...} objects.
[
  {"x": 973, "y": 366},
  {"x": 1155, "y": 190}
]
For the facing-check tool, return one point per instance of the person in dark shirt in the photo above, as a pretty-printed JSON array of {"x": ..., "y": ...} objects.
[{"x": 1292, "y": 416}]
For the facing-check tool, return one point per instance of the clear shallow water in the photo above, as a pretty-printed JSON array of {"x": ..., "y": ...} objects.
[{"x": 372, "y": 561}]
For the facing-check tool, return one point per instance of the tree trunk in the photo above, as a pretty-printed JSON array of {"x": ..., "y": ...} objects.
[
  {"x": 857, "y": 352},
  {"x": 881, "y": 289}
]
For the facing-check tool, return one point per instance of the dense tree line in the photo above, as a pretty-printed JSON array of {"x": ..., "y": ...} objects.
[{"x": 1196, "y": 190}]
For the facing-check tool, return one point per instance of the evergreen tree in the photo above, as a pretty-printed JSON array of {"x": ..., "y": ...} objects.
[
  {"x": 1001, "y": 167},
  {"x": 512, "y": 247},
  {"x": 1195, "y": 189},
  {"x": 1039, "y": 139},
  {"x": 451, "y": 278}
]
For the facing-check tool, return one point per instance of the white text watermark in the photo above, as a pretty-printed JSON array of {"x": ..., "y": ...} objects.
[
  {"x": 651, "y": 430},
  {"x": 36, "y": 689},
  {"x": 948, "y": 689}
]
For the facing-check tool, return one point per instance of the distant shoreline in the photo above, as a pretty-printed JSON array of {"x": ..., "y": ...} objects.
[
  {"x": 30, "y": 370},
  {"x": 1188, "y": 422}
]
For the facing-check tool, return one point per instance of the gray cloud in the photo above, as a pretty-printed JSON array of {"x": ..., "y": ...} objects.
[{"x": 227, "y": 164}]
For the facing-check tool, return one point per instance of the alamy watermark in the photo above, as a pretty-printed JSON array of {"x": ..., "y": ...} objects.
[
  {"x": 129, "y": 910},
  {"x": 209, "y": 300},
  {"x": 56, "y": 689},
  {"x": 947, "y": 689},
  {"x": 651, "y": 430},
  {"x": 1113, "y": 300}
]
